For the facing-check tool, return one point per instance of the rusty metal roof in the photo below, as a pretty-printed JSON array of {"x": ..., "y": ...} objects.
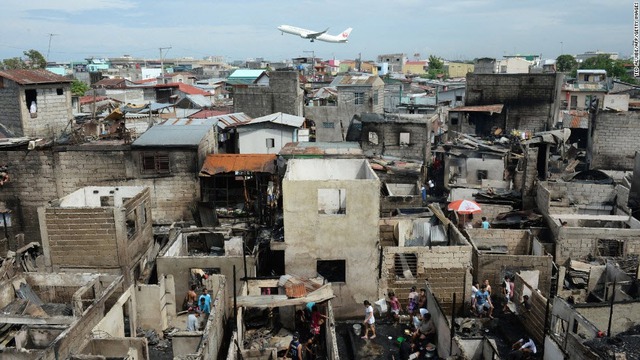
[
  {"x": 223, "y": 163},
  {"x": 354, "y": 80},
  {"x": 497, "y": 108},
  {"x": 30, "y": 77}
]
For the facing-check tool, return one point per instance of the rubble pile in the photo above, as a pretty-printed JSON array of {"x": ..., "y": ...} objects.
[{"x": 626, "y": 343}]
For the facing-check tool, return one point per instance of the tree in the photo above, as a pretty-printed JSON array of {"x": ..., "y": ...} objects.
[
  {"x": 566, "y": 63},
  {"x": 35, "y": 59},
  {"x": 13, "y": 63},
  {"x": 614, "y": 68},
  {"x": 79, "y": 88},
  {"x": 435, "y": 63}
]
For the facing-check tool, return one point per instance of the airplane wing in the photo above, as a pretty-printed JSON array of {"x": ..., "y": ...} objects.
[{"x": 313, "y": 35}]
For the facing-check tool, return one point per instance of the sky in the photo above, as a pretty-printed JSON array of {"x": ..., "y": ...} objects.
[{"x": 244, "y": 29}]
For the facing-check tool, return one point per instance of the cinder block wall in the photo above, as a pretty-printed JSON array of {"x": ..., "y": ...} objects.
[
  {"x": 518, "y": 241},
  {"x": 446, "y": 268},
  {"x": 534, "y": 319},
  {"x": 10, "y": 114},
  {"x": 625, "y": 315},
  {"x": 576, "y": 193},
  {"x": 389, "y": 139},
  {"x": 82, "y": 237},
  {"x": 579, "y": 242},
  {"x": 615, "y": 140},
  {"x": 54, "y": 111},
  {"x": 257, "y": 101}
]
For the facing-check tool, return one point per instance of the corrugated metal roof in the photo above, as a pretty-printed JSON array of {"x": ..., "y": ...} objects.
[
  {"x": 188, "y": 122},
  {"x": 227, "y": 120},
  {"x": 294, "y": 149},
  {"x": 202, "y": 114},
  {"x": 200, "y": 100},
  {"x": 223, "y": 163},
  {"x": 29, "y": 77},
  {"x": 172, "y": 136},
  {"x": 497, "y": 108},
  {"x": 185, "y": 88},
  {"x": 354, "y": 80},
  {"x": 246, "y": 73},
  {"x": 276, "y": 118}
]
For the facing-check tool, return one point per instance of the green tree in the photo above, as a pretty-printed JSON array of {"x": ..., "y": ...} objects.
[
  {"x": 79, "y": 88},
  {"x": 566, "y": 63},
  {"x": 435, "y": 63},
  {"x": 35, "y": 59},
  {"x": 13, "y": 63},
  {"x": 614, "y": 68}
]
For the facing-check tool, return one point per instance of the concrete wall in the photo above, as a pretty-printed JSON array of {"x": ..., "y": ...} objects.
[
  {"x": 180, "y": 266},
  {"x": 445, "y": 268},
  {"x": 135, "y": 348},
  {"x": 614, "y": 140},
  {"x": 625, "y": 315},
  {"x": 353, "y": 236},
  {"x": 388, "y": 139},
  {"x": 156, "y": 304},
  {"x": 563, "y": 319},
  {"x": 494, "y": 267},
  {"x": 336, "y": 125},
  {"x": 252, "y": 138},
  {"x": 42, "y": 175},
  {"x": 466, "y": 170},
  {"x": 77, "y": 238},
  {"x": 53, "y": 110},
  {"x": 575, "y": 198},
  {"x": 282, "y": 95},
  {"x": 534, "y": 319},
  {"x": 530, "y": 99}
]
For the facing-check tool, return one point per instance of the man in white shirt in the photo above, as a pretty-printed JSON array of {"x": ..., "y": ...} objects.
[
  {"x": 192, "y": 320},
  {"x": 523, "y": 349}
]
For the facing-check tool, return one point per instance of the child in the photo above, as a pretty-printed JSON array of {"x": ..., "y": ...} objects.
[
  {"x": 395, "y": 306},
  {"x": 413, "y": 300}
]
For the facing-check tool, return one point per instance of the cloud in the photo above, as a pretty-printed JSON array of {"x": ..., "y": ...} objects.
[{"x": 71, "y": 6}]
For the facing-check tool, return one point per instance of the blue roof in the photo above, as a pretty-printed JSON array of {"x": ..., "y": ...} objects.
[{"x": 246, "y": 73}]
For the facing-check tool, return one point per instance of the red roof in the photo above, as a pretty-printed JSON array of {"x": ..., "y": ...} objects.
[
  {"x": 203, "y": 114},
  {"x": 111, "y": 83},
  {"x": 88, "y": 99},
  {"x": 144, "y": 81},
  {"x": 185, "y": 88},
  {"x": 36, "y": 76}
]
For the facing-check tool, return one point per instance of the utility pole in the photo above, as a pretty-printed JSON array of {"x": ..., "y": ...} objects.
[
  {"x": 162, "y": 61},
  {"x": 49, "y": 48}
]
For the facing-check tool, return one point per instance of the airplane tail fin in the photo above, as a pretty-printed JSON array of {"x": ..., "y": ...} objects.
[{"x": 345, "y": 34}]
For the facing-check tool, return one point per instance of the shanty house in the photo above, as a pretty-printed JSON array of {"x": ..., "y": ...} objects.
[
  {"x": 266, "y": 134},
  {"x": 35, "y": 103}
]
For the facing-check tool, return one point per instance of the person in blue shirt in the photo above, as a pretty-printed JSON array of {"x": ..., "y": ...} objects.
[
  {"x": 482, "y": 302},
  {"x": 205, "y": 302},
  {"x": 485, "y": 223}
]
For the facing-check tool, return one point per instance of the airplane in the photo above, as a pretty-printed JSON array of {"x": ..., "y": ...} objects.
[{"x": 316, "y": 35}]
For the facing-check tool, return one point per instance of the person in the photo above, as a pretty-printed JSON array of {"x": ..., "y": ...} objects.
[
  {"x": 523, "y": 349},
  {"x": 317, "y": 319},
  {"x": 423, "y": 191},
  {"x": 486, "y": 283},
  {"x": 295, "y": 348},
  {"x": 206, "y": 306},
  {"x": 474, "y": 290},
  {"x": 192, "y": 319},
  {"x": 369, "y": 321},
  {"x": 406, "y": 349},
  {"x": 504, "y": 290},
  {"x": 395, "y": 306},
  {"x": 413, "y": 300},
  {"x": 422, "y": 299},
  {"x": 426, "y": 331},
  {"x": 526, "y": 304},
  {"x": 191, "y": 298},
  {"x": 485, "y": 223},
  {"x": 482, "y": 302}
]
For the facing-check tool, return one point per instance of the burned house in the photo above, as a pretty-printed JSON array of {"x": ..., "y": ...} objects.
[
  {"x": 35, "y": 103},
  {"x": 331, "y": 210},
  {"x": 104, "y": 229},
  {"x": 403, "y": 136},
  {"x": 524, "y": 102}
]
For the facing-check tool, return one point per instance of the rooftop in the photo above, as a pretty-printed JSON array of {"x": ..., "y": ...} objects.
[{"x": 31, "y": 77}]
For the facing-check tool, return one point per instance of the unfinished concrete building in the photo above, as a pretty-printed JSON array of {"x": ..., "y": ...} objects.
[
  {"x": 194, "y": 254},
  {"x": 427, "y": 249},
  {"x": 265, "y": 323},
  {"x": 283, "y": 94},
  {"x": 54, "y": 316},
  {"x": 104, "y": 229},
  {"x": 579, "y": 217},
  {"x": 331, "y": 211},
  {"x": 503, "y": 252}
]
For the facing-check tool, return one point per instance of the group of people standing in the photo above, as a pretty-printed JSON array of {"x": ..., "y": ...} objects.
[
  {"x": 308, "y": 336},
  {"x": 197, "y": 306}
]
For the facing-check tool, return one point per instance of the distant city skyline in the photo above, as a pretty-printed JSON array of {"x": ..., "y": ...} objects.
[{"x": 239, "y": 30}]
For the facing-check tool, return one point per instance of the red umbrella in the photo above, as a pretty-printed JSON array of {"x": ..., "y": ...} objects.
[{"x": 464, "y": 207}]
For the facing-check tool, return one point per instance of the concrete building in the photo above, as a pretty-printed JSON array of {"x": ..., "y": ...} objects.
[
  {"x": 589, "y": 54},
  {"x": 501, "y": 252},
  {"x": 356, "y": 94},
  {"x": 530, "y": 102},
  {"x": 403, "y": 136},
  {"x": 35, "y": 103},
  {"x": 264, "y": 135},
  {"x": 458, "y": 69},
  {"x": 107, "y": 229},
  {"x": 331, "y": 210},
  {"x": 282, "y": 94},
  {"x": 416, "y": 67},
  {"x": 612, "y": 140},
  {"x": 396, "y": 61}
]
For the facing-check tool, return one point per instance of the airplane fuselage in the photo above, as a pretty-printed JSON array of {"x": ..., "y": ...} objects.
[{"x": 315, "y": 35}]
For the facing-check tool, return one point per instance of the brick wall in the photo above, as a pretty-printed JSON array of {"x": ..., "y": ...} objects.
[
  {"x": 495, "y": 266},
  {"x": 614, "y": 140},
  {"x": 389, "y": 139},
  {"x": 42, "y": 175},
  {"x": 529, "y": 179},
  {"x": 10, "y": 115},
  {"x": 584, "y": 196},
  {"x": 257, "y": 101},
  {"x": 54, "y": 111},
  {"x": 580, "y": 242},
  {"x": 446, "y": 268},
  {"x": 518, "y": 242},
  {"x": 533, "y": 320}
]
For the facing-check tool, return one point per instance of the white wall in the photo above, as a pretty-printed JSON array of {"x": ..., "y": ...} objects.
[{"x": 253, "y": 140}]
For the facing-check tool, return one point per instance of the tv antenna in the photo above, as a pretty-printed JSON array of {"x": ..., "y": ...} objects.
[{"x": 49, "y": 48}]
